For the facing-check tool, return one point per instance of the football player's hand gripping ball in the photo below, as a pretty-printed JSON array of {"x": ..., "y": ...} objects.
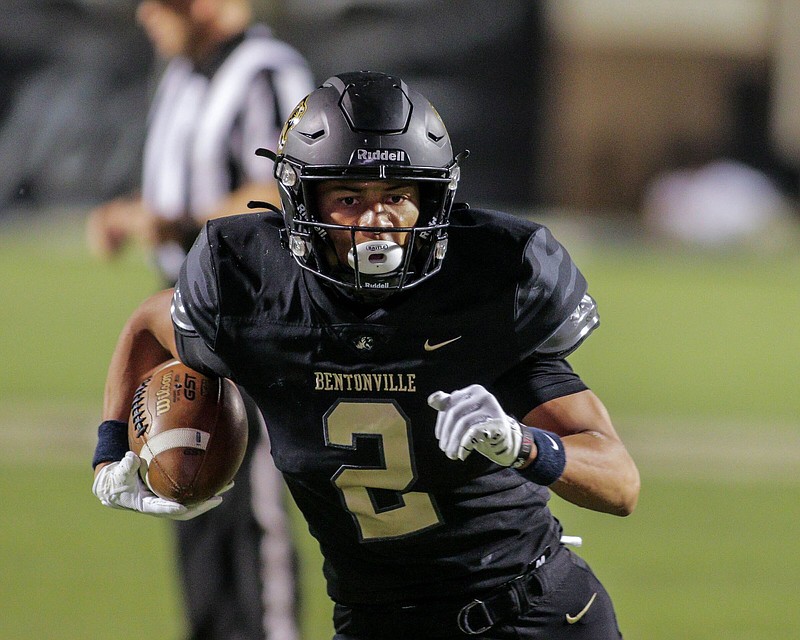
[
  {"x": 119, "y": 486},
  {"x": 472, "y": 419}
]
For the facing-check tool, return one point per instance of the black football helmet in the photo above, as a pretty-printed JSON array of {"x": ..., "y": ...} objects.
[{"x": 366, "y": 126}]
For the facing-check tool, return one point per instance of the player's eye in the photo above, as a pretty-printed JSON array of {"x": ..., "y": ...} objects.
[
  {"x": 396, "y": 199},
  {"x": 348, "y": 201}
]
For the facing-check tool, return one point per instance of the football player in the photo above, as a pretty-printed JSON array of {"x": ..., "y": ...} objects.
[{"x": 408, "y": 355}]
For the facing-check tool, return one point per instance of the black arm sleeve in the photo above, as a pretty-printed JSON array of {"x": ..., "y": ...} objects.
[
  {"x": 194, "y": 353},
  {"x": 195, "y": 311},
  {"x": 534, "y": 382}
]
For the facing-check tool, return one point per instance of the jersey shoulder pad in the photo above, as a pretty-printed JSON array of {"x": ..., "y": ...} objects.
[
  {"x": 549, "y": 292},
  {"x": 177, "y": 311},
  {"x": 573, "y": 331}
]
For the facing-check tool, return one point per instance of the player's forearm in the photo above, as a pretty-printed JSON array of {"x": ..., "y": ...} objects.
[
  {"x": 146, "y": 340},
  {"x": 599, "y": 474}
]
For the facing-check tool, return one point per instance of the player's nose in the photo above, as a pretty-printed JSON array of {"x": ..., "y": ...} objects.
[{"x": 375, "y": 215}]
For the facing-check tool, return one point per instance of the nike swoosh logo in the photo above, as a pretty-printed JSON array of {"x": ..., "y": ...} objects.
[
  {"x": 439, "y": 345},
  {"x": 582, "y": 612},
  {"x": 553, "y": 443}
]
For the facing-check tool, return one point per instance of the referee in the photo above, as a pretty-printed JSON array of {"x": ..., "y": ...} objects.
[{"x": 226, "y": 90}]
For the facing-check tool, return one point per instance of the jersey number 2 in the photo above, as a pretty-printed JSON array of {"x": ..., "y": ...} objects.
[{"x": 411, "y": 511}]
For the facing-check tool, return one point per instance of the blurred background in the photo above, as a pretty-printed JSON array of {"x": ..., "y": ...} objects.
[
  {"x": 575, "y": 104},
  {"x": 659, "y": 139}
]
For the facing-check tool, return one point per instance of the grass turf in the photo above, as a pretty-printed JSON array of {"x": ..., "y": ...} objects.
[{"x": 693, "y": 360}]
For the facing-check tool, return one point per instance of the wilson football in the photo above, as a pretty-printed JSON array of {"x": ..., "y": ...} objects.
[{"x": 190, "y": 431}]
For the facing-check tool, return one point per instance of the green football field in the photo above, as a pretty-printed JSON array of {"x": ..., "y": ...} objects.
[{"x": 695, "y": 359}]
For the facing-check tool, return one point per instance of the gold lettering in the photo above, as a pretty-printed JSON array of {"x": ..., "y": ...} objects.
[
  {"x": 401, "y": 382},
  {"x": 365, "y": 382}
]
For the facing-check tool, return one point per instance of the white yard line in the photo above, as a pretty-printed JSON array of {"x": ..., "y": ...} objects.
[
  {"x": 708, "y": 449},
  {"x": 48, "y": 435},
  {"x": 662, "y": 447}
]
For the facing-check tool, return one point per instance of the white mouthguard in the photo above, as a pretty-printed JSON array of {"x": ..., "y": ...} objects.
[{"x": 376, "y": 257}]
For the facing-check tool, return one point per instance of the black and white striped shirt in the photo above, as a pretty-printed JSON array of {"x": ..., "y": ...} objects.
[{"x": 206, "y": 123}]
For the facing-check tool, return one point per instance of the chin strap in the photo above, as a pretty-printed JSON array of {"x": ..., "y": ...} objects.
[{"x": 267, "y": 153}]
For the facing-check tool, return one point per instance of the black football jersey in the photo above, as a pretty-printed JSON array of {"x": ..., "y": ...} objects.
[{"x": 344, "y": 390}]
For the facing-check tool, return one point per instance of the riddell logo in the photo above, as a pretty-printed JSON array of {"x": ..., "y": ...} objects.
[{"x": 381, "y": 155}]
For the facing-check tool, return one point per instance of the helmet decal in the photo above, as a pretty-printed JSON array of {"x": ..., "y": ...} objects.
[{"x": 291, "y": 123}]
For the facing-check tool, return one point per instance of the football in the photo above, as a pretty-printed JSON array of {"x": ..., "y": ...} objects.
[{"x": 190, "y": 431}]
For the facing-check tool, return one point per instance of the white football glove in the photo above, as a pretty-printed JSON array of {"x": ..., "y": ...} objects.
[
  {"x": 119, "y": 486},
  {"x": 472, "y": 419}
]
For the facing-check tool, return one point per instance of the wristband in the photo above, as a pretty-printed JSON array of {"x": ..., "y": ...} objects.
[
  {"x": 550, "y": 459},
  {"x": 112, "y": 442}
]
